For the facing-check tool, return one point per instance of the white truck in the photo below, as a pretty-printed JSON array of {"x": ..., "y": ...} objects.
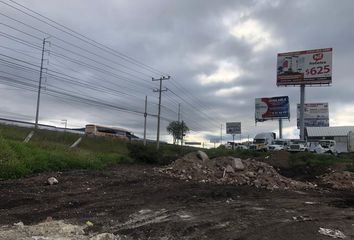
[
  {"x": 278, "y": 145},
  {"x": 297, "y": 145},
  {"x": 326, "y": 146},
  {"x": 261, "y": 141}
]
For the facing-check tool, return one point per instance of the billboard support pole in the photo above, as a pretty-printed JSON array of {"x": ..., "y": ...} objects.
[
  {"x": 280, "y": 128},
  {"x": 302, "y": 109},
  {"x": 221, "y": 134},
  {"x": 233, "y": 142}
]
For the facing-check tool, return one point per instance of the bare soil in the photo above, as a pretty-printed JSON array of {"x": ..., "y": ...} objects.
[{"x": 141, "y": 203}]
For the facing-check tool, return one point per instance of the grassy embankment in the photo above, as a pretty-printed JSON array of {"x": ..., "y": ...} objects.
[
  {"x": 294, "y": 160},
  {"x": 322, "y": 160},
  {"x": 49, "y": 151}
]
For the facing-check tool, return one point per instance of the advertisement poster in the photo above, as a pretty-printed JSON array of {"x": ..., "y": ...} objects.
[
  {"x": 305, "y": 67},
  {"x": 233, "y": 128},
  {"x": 315, "y": 115},
  {"x": 272, "y": 108}
]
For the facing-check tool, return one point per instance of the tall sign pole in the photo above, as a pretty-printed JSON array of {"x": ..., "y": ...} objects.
[
  {"x": 233, "y": 141},
  {"x": 302, "y": 110},
  {"x": 280, "y": 128},
  {"x": 160, "y": 90}
]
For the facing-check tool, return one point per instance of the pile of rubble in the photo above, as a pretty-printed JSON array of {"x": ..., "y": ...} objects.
[
  {"x": 53, "y": 230},
  {"x": 229, "y": 170},
  {"x": 338, "y": 180}
]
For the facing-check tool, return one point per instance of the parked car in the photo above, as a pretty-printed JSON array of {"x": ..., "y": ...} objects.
[
  {"x": 326, "y": 146},
  {"x": 242, "y": 147},
  {"x": 278, "y": 145},
  {"x": 236, "y": 146},
  {"x": 298, "y": 145}
]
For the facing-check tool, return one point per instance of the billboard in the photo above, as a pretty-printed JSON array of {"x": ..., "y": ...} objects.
[
  {"x": 215, "y": 140},
  {"x": 305, "y": 67},
  {"x": 272, "y": 108},
  {"x": 192, "y": 143},
  {"x": 233, "y": 128},
  {"x": 315, "y": 115}
]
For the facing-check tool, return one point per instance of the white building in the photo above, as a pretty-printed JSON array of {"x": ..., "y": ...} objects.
[{"x": 339, "y": 134}]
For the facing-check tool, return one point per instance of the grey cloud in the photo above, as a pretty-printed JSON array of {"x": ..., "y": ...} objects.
[{"x": 170, "y": 36}]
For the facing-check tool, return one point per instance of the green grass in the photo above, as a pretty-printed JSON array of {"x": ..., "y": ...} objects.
[
  {"x": 219, "y": 152},
  {"x": 49, "y": 151},
  {"x": 20, "y": 159},
  {"x": 61, "y": 140},
  {"x": 313, "y": 159}
]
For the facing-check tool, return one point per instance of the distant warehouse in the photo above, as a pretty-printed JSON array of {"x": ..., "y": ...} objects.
[
  {"x": 103, "y": 131},
  {"x": 338, "y": 134}
]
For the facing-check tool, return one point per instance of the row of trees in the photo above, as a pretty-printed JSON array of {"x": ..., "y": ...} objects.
[{"x": 178, "y": 130}]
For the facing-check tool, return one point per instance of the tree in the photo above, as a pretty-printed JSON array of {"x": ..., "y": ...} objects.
[{"x": 178, "y": 130}]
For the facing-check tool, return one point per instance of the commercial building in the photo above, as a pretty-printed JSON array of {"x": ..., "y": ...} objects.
[{"x": 339, "y": 134}]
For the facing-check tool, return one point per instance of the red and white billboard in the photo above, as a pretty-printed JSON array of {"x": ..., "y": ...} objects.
[{"x": 305, "y": 67}]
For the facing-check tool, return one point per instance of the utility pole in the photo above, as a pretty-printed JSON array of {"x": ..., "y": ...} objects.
[
  {"x": 179, "y": 112},
  {"x": 182, "y": 133},
  {"x": 179, "y": 115},
  {"x": 145, "y": 115},
  {"x": 65, "y": 122},
  {"x": 160, "y": 90},
  {"x": 40, "y": 83}
]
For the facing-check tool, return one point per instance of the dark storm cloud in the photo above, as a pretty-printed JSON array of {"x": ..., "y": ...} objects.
[{"x": 192, "y": 40}]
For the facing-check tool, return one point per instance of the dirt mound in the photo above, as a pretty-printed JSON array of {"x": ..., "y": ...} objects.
[
  {"x": 230, "y": 170},
  {"x": 338, "y": 180}
]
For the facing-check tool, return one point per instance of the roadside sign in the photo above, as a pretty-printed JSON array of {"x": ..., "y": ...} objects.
[
  {"x": 192, "y": 143},
  {"x": 315, "y": 115},
  {"x": 272, "y": 108},
  {"x": 233, "y": 128},
  {"x": 215, "y": 140},
  {"x": 305, "y": 67}
]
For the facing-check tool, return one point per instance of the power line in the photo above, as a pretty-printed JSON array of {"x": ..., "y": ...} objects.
[{"x": 81, "y": 37}]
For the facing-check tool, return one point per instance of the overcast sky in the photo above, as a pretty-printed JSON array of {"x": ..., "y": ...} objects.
[{"x": 221, "y": 55}]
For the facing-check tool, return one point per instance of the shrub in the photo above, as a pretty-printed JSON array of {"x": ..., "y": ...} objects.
[
  {"x": 146, "y": 154},
  {"x": 10, "y": 165}
]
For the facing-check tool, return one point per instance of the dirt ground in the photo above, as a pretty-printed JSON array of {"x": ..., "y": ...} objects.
[{"x": 140, "y": 203}]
